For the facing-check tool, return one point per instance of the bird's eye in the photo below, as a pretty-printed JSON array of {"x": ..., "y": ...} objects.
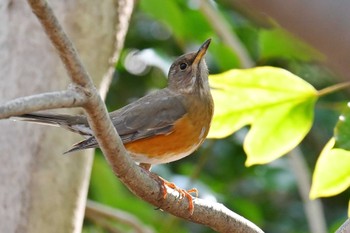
[{"x": 183, "y": 66}]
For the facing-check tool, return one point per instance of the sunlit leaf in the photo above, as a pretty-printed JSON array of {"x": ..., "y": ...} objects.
[
  {"x": 277, "y": 104},
  {"x": 342, "y": 130},
  {"x": 332, "y": 173},
  {"x": 277, "y": 130}
]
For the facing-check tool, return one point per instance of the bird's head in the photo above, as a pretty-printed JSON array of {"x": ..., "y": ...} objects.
[{"x": 189, "y": 72}]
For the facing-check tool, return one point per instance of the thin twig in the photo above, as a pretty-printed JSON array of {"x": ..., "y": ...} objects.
[
  {"x": 94, "y": 209},
  {"x": 221, "y": 27},
  {"x": 137, "y": 180},
  {"x": 104, "y": 224},
  {"x": 51, "y": 100},
  {"x": 313, "y": 208},
  {"x": 333, "y": 88},
  {"x": 63, "y": 45}
]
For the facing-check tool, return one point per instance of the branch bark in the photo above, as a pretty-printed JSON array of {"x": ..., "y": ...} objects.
[
  {"x": 64, "y": 46},
  {"x": 137, "y": 180},
  {"x": 61, "y": 99},
  {"x": 345, "y": 227}
]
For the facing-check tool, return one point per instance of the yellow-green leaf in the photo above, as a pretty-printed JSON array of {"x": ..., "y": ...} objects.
[
  {"x": 277, "y": 104},
  {"x": 276, "y": 131},
  {"x": 332, "y": 173}
]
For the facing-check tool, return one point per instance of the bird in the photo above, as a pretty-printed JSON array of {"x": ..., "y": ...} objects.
[{"x": 161, "y": 127}]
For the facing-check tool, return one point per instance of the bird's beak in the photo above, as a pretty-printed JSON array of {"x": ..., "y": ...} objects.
[{"x": 201, "y": 52}]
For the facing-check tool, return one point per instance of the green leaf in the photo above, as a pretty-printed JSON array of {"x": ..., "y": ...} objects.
[
  {"x": 342, "y": 130},
  {"x": 277, "y": 42},
  {"x": 172, "y": 16},
  {"x": 278, "y": 130},
  {"x": 184, "y": 23},
  {"x": 228, "y": 58},
  {"x": 332, "y": 173},
  {"x": 277, "y": 104}
]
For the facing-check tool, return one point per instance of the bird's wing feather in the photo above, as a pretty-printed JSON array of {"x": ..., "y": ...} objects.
[{"x": 149, "y": 116}]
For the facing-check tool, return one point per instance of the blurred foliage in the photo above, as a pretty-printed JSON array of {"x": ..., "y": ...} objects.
[
  {"x": 279, "y": 43},
  {"x": 266, "y": 194}
]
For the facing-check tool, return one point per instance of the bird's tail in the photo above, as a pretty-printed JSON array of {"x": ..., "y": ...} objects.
[
  {"x": 43, "y": 118},
  {"x": 85, "y": 144},
  {"x": 77, "y": 124}
]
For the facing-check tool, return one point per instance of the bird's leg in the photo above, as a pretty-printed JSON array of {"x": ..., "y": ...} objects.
[
  {"x": 162, "y": 183},
  {"x": 183, "y": 193},
  {"x": 147, "y": 167}
]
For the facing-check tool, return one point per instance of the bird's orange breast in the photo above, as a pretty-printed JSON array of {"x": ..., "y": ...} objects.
[{"x": 187, "y": 135}]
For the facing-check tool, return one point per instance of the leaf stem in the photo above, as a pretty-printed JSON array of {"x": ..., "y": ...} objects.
[{"x": 333, "y": 88}]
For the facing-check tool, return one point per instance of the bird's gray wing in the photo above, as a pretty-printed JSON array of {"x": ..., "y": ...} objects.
[{"x": 151, "y": 115}]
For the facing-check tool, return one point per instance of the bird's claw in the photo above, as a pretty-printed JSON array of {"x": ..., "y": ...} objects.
[{"x": 182, "y": 193}]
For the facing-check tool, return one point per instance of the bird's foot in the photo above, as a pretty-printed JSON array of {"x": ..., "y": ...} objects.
[
  {"x": 182, "y": 192},
  {"x": 163, "y": 183}
]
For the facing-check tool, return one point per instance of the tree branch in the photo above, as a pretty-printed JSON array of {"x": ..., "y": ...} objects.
[
  {"x": 51, "y": 100},
  {"x": 214, "y": 215},
  {"x": 95, "y": 210},
  {"x": 345, "y": 227},
  {"x": 61, "y": 42}
]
